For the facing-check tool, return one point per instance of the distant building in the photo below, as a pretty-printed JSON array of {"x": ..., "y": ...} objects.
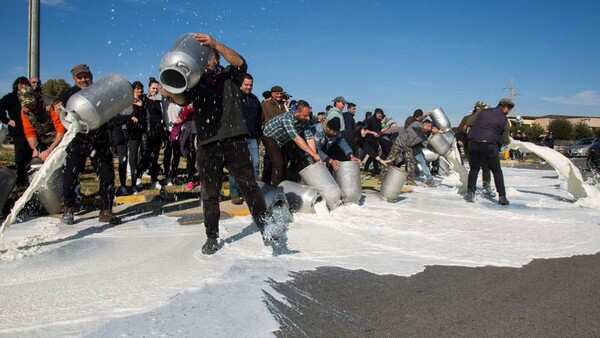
[{"x": 544, "y": 121}]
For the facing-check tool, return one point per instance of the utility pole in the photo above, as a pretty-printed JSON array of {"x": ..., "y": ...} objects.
[
  {"x": 511, "y": 89},
  {"x": 512, "y": 92},
  {"x": 33, "y": 42}
]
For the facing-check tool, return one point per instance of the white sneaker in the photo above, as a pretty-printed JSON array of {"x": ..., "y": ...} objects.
[
  {"x": 157, "y": 185},
  {"x": 138, "y": 184}
]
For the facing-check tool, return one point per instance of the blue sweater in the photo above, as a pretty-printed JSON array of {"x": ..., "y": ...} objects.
[{"x": 325, "y": 142}]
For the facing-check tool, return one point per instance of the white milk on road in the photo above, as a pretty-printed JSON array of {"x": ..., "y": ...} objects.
[{"x": 148, "y": 277}]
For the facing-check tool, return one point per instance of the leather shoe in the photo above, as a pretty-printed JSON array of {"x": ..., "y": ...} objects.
[
  {"x": 237, "y": 200},
  {"x": 502, "y": 200},
  {"x": 106, "y": 216}
]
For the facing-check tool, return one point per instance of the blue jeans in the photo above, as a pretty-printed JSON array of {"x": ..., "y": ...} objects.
[
  {"x": 420, "y": 158},
  {"x": 253, "y": 149}
]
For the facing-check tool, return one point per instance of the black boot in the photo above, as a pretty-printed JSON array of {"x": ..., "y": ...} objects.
[
  {"x": 211, "y": 246},
  {"x": 106, "y": 216},
  {"x": 470, "y": 197},
  {"x": 502, "y": 200}
]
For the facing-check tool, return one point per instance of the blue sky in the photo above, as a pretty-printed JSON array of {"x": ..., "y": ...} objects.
[{"x": 397, "y": 55}]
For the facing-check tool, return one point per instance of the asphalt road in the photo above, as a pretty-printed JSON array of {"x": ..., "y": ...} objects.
[{"x": 546, "y": 298}]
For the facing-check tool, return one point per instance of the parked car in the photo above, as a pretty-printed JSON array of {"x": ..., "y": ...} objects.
[
  {"x": 580, "y": 148},
  {"x": 593, "y": 157}
]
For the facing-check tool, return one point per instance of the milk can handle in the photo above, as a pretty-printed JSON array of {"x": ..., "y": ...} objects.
[{"x": 181, "y": 64}]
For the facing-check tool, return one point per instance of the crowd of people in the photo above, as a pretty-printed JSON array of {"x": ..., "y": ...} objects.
[{"x": 220, "y": 123}]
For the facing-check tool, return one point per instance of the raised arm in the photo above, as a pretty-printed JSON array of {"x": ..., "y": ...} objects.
[{"x": 232, "y": 57}]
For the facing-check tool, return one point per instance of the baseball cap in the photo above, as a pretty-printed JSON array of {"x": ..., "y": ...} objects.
[{"x": 340, "y": 99}]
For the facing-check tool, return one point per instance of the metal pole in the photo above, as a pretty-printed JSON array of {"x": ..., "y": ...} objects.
[{"x": 34, "y": 39}]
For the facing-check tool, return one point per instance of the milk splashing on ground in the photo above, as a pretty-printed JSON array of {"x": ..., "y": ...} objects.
[
  {"x": 565, "y": 168},
  {"x": 53, "y": 162}
]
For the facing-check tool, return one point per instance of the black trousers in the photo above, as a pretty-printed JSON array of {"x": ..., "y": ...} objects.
[
  {"x": 149, "y": 151},
  {"x": 23, "y": 154},
  {"x": 485, "y": 170},
  {"x": 232, "y": 154},
  {"x": 171, "y": 157},
  {"x": 102, "y": 161},
  {"x": 371, "y": 149},
  {"x": 386, "y": 146},
  {"x": 283, "y": 163},
  {"x": 481, "y": 153}
]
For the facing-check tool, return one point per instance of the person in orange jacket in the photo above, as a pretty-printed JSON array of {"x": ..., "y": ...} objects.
[{"x": 43, "y": 128}]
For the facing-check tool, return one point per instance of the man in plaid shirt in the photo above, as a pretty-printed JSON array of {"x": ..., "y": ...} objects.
[{"x": 278, "y": 135}]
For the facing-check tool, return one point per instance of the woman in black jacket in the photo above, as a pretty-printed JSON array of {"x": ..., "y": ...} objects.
[
  {"x": 10, "y": 104},
  {"x": 127, "y": 129},
  {"x": 153, "y": 134}
]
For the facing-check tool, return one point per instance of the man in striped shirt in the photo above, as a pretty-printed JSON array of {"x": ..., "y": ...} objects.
[{"x": 278, "y": 135}]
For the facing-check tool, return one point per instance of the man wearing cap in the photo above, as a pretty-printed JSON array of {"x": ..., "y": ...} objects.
[
  {"x": 327, "y": 135},
  {"x": 489, "y": 131},
  {"x": 290, "y": 130},
  {"x": 339, "y": 102},
  {"x": 274, "y": 105},
  {"x": 221, "y": 138},
  {"x": 96, "y": 145},
  {"x": 462, "y": 141}
]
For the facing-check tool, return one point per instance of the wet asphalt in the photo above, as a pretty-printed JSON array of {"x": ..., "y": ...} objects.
[{"x": 546, "y": 298}]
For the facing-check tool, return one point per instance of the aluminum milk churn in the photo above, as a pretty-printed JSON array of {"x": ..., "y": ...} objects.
[
  {"x": 95, "y": 105},
  {"x": 183, "y": 65},
  {"x": 348, "y": 178},
  {"x": 316, "y": 175}
]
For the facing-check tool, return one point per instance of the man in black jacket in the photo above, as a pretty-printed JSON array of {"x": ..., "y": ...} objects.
[
  {"x": 350, "y": 130},
  {"x": 489, "y": 131},
  {"x": 217, "y": 99},
  {"x": 253, "y": 115},
  {"x": 96, "y": 145}
]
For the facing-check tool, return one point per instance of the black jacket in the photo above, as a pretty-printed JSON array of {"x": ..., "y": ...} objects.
[
  {"x": 218, "y": 104},
  {"x": 10, "y": 103},
  {"x": 253, "y": 115}
]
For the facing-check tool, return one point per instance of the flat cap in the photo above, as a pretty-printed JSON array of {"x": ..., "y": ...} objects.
[
  {"x": 80, "y": 69},
  {"x": 508, "y": 102}
]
